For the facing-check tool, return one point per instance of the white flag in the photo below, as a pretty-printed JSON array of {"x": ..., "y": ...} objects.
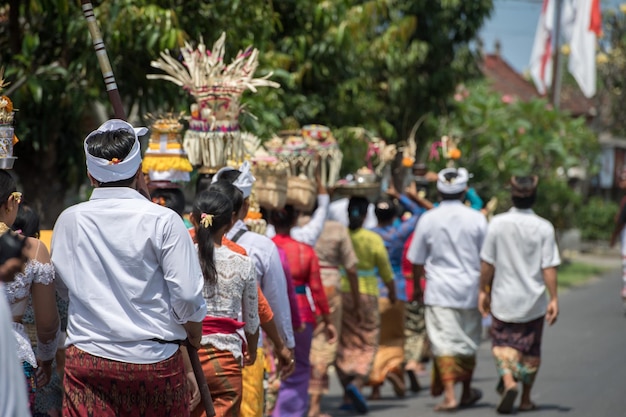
[
  {"x": 582, "y": 59},
  {"x": 541, "y": 55},
  {"x": 568, "y": 18}
]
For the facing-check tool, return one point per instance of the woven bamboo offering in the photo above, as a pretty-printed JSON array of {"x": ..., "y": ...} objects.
[
  {"x": 295, "y": 151},
  {"x": 271, "y": 183},
  {"x": 329, "y": 156},
  {"x": 213, "y": 139},
  {"x": 254, "y": 220},
  {"x": 366, "y": 182}
]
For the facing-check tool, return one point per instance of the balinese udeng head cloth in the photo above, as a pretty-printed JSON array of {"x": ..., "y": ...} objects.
[
  {"x": 455, "y": 184},
  {"x": 244, "y": 181},
  {"x": 116, "y": 170},
  {"x": 523, "y": 186}
]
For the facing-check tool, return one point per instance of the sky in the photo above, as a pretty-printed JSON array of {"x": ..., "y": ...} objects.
[{"x": 513, "y": 23}]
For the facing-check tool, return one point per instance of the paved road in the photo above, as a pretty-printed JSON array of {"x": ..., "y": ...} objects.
[{"x": 583, "y": 372}]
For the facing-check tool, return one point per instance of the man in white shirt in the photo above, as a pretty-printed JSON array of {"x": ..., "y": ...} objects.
[
  {"x": 446, "y": 245},
  {"x": 134, "y": 285},
  {"x": 519, "y": 261}
]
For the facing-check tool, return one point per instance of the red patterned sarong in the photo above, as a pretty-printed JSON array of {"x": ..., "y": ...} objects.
[
  {"x": 223, "y": 376},
  {"x": 101, "y": 387}
]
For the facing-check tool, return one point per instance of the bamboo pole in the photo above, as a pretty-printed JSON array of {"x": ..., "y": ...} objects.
[
  {"x": 103, "y": 60},
  {"x": 109, "y": 78}
]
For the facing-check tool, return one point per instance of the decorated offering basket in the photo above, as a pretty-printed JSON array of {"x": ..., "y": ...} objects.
[
  {"x": 7, "y": 134},
  {"x": 165, "y": 159},
  {"x": 322, "y": 141},
  {"x": 364, "y": 183},
  {"x": 301, "y": 193},
  {"x": 213, "y": 145},
  {"x": 271, "y": 182},
  {"x": 254, "y": 220},
  {"x": 213, "y": 139},
  {"x": 291, "y": 148}
]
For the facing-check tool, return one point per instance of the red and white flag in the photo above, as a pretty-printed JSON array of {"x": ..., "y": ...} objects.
[
  {"x": 582, "y": 59},
  {"x": 541, "y": 55}
]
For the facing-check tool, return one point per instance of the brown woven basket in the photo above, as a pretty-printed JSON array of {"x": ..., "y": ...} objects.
[
  {"x": 301, "y": 193},
  {"x": 271, "y": 191}
]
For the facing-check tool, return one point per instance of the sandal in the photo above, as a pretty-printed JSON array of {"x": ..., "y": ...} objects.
[
  {"x": 414, "y": 383},
  {"x": 531, "y": 407},
  {"x": 357, "y": 398},
  {"x": 507, "y": 401},
  {"x": 397, "y": 383},
  {"x": 442, "y": 408},
  {"x": 474, "y": 397}
]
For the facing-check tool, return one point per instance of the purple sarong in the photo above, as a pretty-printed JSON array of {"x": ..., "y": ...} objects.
[{"x": 293, "y": 395}]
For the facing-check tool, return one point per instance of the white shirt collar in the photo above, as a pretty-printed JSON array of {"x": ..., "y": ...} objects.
[
  {"x": 519, "y": 210},
  {"x": 102, "y": 193}
]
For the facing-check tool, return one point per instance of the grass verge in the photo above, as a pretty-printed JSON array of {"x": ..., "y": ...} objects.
[{"x": 574, "y": 273}]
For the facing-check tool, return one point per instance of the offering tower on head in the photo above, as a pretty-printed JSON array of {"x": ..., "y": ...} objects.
[{"x": 213, "y": 139}]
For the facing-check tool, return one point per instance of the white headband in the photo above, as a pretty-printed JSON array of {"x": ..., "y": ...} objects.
[
  {"x": 110, "y": 171},
  {"x": 244, "y": 181},
  {"x": 454, "y": 185}
]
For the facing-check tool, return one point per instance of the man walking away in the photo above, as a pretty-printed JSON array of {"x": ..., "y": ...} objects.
[
  {"x": 135, "y": 285},
  {"x": 519, "y": 260},
  {"x": 446, "y": 245}
]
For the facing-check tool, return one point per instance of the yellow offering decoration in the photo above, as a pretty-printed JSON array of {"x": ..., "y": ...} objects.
[
  {"x": 165, "y": 159},
  {"x": 254, "y": 219}
]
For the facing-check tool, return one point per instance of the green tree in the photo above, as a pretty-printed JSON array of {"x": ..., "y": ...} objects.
[
  {"x": 57, "y": 86},
  {"x": 499, "y": 136},
  {"x": 611, "y": 70},
  {"x": 376, "y": 64}
]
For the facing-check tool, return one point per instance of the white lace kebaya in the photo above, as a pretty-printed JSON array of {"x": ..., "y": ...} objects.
[
  {"x": 17, "y": 293},
  {"x": 234, "y": 293}
]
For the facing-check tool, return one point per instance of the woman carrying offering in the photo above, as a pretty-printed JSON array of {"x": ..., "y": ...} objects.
[
  {"x": 394, "y": 231},
  {"x": 360, "y": 325},
  {"x": 230, "y": 291},
  {"x": 305, "y": 271}
]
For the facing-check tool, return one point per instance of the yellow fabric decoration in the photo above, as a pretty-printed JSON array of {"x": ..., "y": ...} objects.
[
  {"x": 165, "y": 163},
  {"x": 170, "y": 145}
]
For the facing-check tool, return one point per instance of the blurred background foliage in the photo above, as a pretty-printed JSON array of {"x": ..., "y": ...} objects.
[
  {"x": 499, "y": 136},
  {"x": 380, "y": 65},
  {"x": 376, "y": 64}
]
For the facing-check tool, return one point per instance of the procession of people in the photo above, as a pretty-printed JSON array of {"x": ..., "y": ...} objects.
[
  {"x": 274, "y": 279},
  {"x": 145, "y": 295}
]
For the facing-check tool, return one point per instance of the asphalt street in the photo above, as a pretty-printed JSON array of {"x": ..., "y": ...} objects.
[{"x": 583, "y": 370}]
